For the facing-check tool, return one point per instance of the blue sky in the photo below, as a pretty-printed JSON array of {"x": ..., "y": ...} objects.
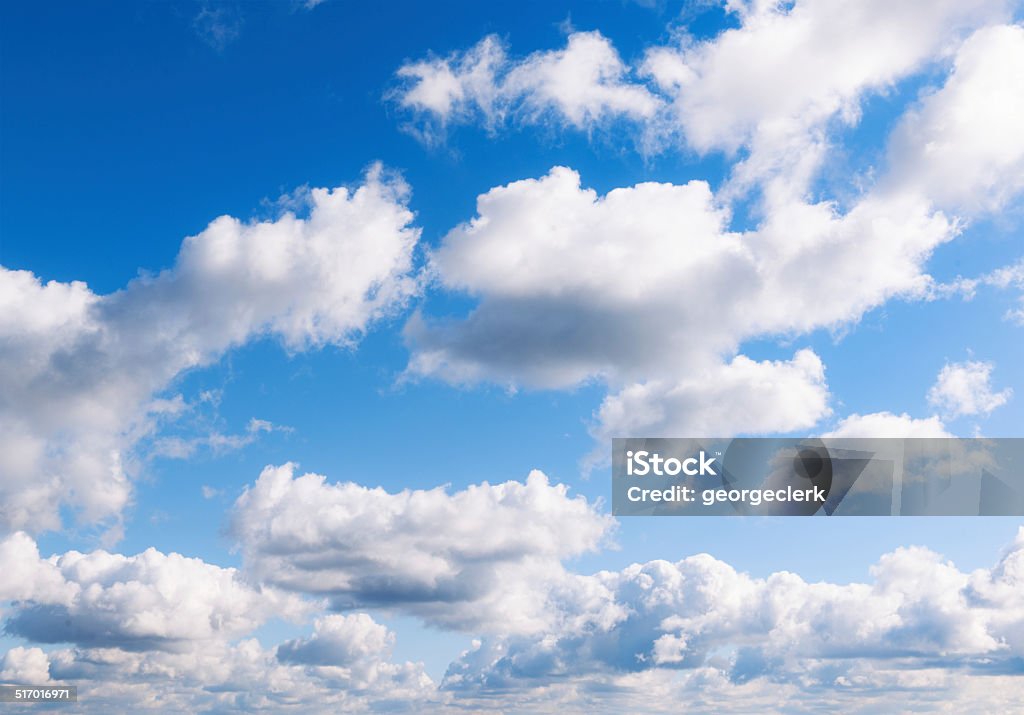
[{"x": 126, "y": 128}]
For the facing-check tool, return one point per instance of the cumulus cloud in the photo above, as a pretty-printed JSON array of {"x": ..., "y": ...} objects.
[
  {"x": 243, "y": 677},
  {"x": 25, "y": 665},
  {"x": 648, "y": 290},
  {"x": 701, "y": 618},
  {"x": 648, "y": 287},
  {"x": 887, "y": 424},
  {"x": 144, "y": 602},
  {"x": 470, "y": 559},
  {"x": 771, "y": 85},
  {"x": 646, "y": 635},
  {"x": 582, "y": 85},
  {"x": 164, "y": 632},
  {"x": 81, "y": 373},
  {"x": 966, "y": 389},
  {"x": 740, "y": 396},
  {"x": 962, "y": 147}
]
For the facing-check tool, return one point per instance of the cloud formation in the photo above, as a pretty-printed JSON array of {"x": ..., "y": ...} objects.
[
  {"x": 701, "y": 618},
  {"x": 150, "y": 601},
  {"x": 82, "y": 374},
  {"x": 647, "y": 290},
  {"x": 966, "y": 389},
  {"x": 168, "y": 633},
  {"x": 470, "y": 560},
  {"x": 887, "y": 424},
  {"x": 582, "y": 85},
  {"x": 159, "y": 631}
]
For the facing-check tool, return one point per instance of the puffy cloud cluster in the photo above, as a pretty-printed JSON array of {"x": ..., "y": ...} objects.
[
  {"x": 701, "y": 616},
  {"x": 161, "y": 632},
  {"x": 150, "y": 601},
  {"x": 887, "y": 424},
  {"x": 776, "y": 396},
  {"x": 81, "y": 373},
  {"x": 583, "y": 84},
  {"x": 646, "y": 289},
  {"x": 472, "y": 559},
  {"x": 770, "y": 86},
  {"x": 232, "y": 677},
  {"x": 960, "y": 389},
  {"x": 649, "y": 290},
  {"x": 165, "y": 632},
  {"x": 962, "y": 147},
  {"x": 966, "y": 389}
]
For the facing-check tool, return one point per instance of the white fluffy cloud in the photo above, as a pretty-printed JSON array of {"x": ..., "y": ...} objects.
[
  {"x": 81, "y": 373},
  {"x": 741, "y": 396},
  {"x": 471, "y": 559},
  {"x": 966, "y": 389},
  {"x": 144, "y": 602},
  {"x": 887, "y": 424},
  {"x": 771, "y": 85},
  {"x": 962, "y": 147},
  {"x": 164, "y": 632},
  {"x": 646, "y": 289},
  {"x": 245, "y": 676},
  {"x": 25, "y": 665},
  {"x": 581, "y": 85},
  {"x": 703, "y": 619},
  {"x": 646, "y": 636}
]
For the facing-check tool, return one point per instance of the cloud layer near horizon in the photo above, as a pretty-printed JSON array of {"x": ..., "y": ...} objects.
[{"x": 176, "y": 633}]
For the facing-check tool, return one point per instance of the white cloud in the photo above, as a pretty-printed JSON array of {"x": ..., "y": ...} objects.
[
  {"x": 646, "y": 289},
  {"x": 1016, "y": 315},
  {"x": 742, "y": 396},
  {"x": 649, "y": 279},
  {"x": 772, "y": 84},
  {"x": 962, "y": 147},
  {"x": 918, "y": 615},
  {"x": 25, "y": 665},
  {"x": 471, "y": 559},
  {"x": 81, "y": 372},
  {"x": 966, "y": 389},
  {"x": 247, "y": 677},
  {"x": 1009, "y": 276},
  {"x": 148, "y": 601},
  {"x": 582, "y": 85},
  {"x": 177, "y": 447},
  {"x": 887, "y": 424},
  {"x": 164, "y": 632},
  {"x": 918, "y": 629},
  {"x": 218, "y": 25},
  {"x": 209, "y": 492}
]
